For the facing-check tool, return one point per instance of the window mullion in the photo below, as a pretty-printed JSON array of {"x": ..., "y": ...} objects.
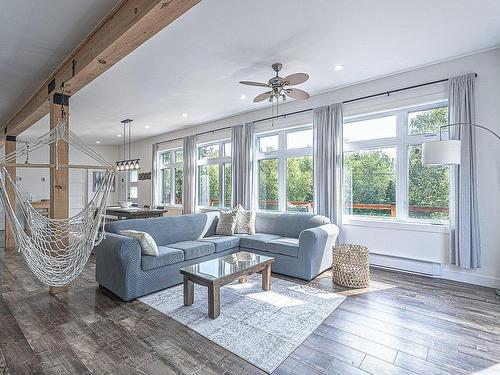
[
  {"x": 282, "y": 172},
  {"x": 172, "y": 185},
  {"x": 401, "y": 175}
]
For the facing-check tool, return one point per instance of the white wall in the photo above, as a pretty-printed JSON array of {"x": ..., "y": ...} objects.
[
  {"x": 34, "y": 182},
  {"x": 425, "y": 244}
]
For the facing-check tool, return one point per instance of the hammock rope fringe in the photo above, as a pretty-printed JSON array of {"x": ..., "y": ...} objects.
[{"x": 56, "y": 250}]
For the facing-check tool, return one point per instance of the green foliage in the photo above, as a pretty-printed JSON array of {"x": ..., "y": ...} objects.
[
  {"x": 227, "y": 184},
  {"x": 427, "y": 122},
  {"x": 371, "y": 177},
  {"x": 208, "y": 152},
  {"x": 208, "y": 185},
  {"x": 166, "y": 188},
  {"x": 427, "y": 186},
  {"x": 299, "y": 183},
  {"x": 178, "y": 185},
  {"x": 268, "y": 184}
]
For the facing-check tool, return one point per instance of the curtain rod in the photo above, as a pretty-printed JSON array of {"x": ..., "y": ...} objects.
[{"x": 385, "y": 93}]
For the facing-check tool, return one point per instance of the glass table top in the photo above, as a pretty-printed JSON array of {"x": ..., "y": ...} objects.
[{"x": 226, "y": 265}]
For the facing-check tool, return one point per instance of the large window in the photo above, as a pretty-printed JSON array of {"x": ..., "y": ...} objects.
[
  {"x": 170, "y": 163},
  {"x": 383, "y": 172},
  {"x": 214, "y": 174},
  {"x": 285, "y": 170}
]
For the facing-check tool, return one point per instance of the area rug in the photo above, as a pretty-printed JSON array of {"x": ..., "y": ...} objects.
[{"x": 262, "y": 327}]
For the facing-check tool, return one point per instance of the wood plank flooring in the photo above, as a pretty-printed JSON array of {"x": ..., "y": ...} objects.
[{"x": 402, "y": 324}]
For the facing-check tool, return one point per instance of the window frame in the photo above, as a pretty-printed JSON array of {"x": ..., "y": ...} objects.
[
  {"x": 220, "y": 161},
  {"x": 132, "y": 184},
  {"x": 172, "y": 165},
  {"x": 402, "y": 142},
  {"x": 281, "y": 155}
]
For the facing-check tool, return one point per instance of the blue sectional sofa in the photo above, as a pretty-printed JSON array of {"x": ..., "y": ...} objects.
[{"x": 301, "y": 244}]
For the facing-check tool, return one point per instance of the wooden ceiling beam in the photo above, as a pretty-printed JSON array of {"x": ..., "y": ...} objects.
[{"x": 131, "y": 24}]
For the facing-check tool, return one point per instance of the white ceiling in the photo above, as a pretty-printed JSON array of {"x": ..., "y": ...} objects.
[
  {"x": 194, "y": 65},
  {"x": 35, "y": 37}
]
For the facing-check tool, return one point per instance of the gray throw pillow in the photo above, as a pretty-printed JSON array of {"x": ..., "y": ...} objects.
[
  {"x": 245, "y": 222},
  {"x": 148, "y": 244},
  {"x": 227, "y": 223}
]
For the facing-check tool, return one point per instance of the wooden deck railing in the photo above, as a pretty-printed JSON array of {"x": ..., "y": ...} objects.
[{"x": 309, "y": 206}]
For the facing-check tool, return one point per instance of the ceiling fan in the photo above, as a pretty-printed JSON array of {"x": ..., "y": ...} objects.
[{"x": 279, "y": 86}]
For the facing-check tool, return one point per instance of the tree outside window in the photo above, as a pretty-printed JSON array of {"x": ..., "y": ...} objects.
[
  {"x": 389, "y": 179},
  {"x": 285, "y": 170}
]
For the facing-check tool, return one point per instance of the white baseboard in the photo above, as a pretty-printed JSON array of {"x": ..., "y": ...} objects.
[
  {"x": 404, "y": 264},
  {"x": 469, "y": 278},
  {"x": 432, "y": 269}
]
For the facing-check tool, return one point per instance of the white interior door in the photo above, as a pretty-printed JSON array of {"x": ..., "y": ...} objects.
[{"x": 77, "y": 191}]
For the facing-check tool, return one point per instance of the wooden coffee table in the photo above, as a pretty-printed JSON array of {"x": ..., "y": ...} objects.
[{"x": 218, "y": 272}]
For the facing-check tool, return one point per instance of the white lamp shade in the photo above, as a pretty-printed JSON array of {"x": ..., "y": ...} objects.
[{"x": 441, "y": 152}]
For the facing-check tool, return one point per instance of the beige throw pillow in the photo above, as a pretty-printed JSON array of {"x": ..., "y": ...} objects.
[
  {"x": 245, "y": 222},
  {"x": 148, "y": 244},
  {"x": 227, "y": 223}
]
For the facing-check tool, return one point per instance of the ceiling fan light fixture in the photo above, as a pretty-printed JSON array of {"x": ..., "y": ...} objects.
[{"x": 280, "y": 86}]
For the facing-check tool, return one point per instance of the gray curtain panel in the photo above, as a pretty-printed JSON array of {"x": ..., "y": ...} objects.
[
  {"x": 465, "y": 242},
  {"x": 242, "y": 148},
  {"x": 189, "y": 175},
  {"x": 327, "y": 161}
]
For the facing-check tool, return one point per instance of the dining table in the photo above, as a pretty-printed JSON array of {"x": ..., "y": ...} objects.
[{"x": 134, "y": 212}]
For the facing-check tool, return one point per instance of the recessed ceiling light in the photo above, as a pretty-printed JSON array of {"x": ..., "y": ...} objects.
[
  {"x": 184, "y": 115},
  {"x": 338, "y": 67},
  {"x": 118, "y": 135},
  {"x": 147, "y": 127},
  {"x": 243, "y": 96},
  {"x": 97, "y": 142}
]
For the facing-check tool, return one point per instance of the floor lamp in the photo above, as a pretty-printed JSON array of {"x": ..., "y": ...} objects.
[{"x": 447, "y": 152}]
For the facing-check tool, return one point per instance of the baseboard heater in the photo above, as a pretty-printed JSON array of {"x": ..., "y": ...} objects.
[{"x": 404, "y": 264}]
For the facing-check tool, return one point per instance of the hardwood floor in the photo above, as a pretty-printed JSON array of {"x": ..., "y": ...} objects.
[{"x": 402, "y": 324}]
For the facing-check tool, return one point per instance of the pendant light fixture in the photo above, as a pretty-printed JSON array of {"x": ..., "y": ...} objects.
[{"x": 128, "y": 163}]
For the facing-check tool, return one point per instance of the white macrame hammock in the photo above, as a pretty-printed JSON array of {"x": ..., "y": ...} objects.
[{"x": 56, "y": 250}]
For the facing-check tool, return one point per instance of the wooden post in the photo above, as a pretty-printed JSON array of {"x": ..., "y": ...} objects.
[
  {"x": 59, "y": 177},
  {"x": 10, "y": 146}
]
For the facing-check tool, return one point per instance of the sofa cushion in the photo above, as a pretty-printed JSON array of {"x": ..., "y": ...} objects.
[
  {"x": 166, "y": 256},
  {"x": 256, "y": 241},
  {"x": 227, "y": 222},
  {"x": 148, "y": 244},
  {"x": 245, "y": 222},
  {"x": 285, "y": 246},
  {"x": 170, "y": 229},
  {"x": 222, "y": 243},
  {"x": 194, "y": 249},
  {"x": 287, "y": 224}
]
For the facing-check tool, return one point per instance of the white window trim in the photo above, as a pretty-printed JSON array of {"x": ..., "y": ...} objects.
[
  {"x": 220, "y": 161},
  {"x": 173, "y": 165},
  {"x": 402, "y": 141},
  {"x": 281, "y": 154}
]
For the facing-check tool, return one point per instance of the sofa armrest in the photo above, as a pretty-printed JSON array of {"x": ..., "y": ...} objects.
[
  {"x": 315, "y": 245},
  {"x": 118, "y": 261}
]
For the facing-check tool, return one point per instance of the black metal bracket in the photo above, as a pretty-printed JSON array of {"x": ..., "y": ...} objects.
[
  {"x": 61, "y": 99},
  {"x": 10, "y": 138}
]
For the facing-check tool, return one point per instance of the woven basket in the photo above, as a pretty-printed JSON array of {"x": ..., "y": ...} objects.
[{"x": 351, "y": 267}]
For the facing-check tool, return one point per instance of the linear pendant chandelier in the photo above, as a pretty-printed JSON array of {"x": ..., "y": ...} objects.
[{"x": 128, "y": 163}]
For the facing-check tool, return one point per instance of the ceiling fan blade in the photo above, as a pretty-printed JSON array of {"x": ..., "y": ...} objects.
[
  {"x": 251, "y": 83},
  {"x": 296, "y": 78},
  {"x": 297, "y": 94},
  {"x": 263, "y": 96}
]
